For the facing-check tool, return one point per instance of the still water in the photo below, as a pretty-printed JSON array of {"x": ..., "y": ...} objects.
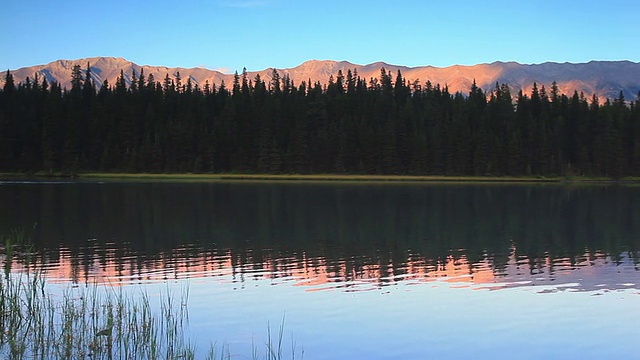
[{"x": 358, "y": 270}]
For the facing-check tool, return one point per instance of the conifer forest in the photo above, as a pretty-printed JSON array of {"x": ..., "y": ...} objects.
[{"x": 351, "y": 125}]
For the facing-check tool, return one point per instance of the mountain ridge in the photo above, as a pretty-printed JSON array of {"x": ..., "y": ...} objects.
[{"x": 606, "y": 79}]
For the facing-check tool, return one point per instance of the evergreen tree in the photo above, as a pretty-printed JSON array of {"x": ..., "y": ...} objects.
[
  {"x": 88, "y": 88},
  {"x": 76, "y": 79},
  {"x": 9, "y": 85},
  {"x": 353, "y": 125}
]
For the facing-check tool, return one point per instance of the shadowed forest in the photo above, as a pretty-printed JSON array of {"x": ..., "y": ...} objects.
[{"x": 348, "y": 126}]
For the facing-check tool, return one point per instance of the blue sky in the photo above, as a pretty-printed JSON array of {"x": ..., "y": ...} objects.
[{"x": 257, "y": 34}]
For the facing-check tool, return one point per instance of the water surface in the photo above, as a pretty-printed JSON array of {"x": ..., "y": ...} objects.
[{"x": 358, "y": 270}]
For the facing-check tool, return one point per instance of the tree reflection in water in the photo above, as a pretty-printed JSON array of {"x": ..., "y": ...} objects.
[{"x": 349, "y": 236}]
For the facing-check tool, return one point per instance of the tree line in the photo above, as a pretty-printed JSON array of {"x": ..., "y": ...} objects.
[{"x": 351, "y": 125}]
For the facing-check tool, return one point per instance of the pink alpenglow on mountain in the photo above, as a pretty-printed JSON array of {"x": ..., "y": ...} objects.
[{"x": 606, "y": 79}]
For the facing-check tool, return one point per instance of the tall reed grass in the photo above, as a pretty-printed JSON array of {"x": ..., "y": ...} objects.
[
  {"x": 97, "y": 322},
  {"x": 89, "y": 323}
]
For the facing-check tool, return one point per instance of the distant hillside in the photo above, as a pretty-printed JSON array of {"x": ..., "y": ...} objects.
[{"x": 603, "y": 78}]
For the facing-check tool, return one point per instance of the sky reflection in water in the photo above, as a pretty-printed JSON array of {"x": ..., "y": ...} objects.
[{"x": 359, "y": 271}]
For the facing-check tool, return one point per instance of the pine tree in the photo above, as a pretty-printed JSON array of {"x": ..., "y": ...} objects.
[
  {"x": 88, "y": 88},
  {"x": 9, "y": 85},
  {"x": 76, "y": 79}
]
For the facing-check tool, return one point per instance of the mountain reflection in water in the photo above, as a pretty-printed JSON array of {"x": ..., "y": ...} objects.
[
  {"x": 597, "y": 272},
  {"x": 331, "y": 236}
]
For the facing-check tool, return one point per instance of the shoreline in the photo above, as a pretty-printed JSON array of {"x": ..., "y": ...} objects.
[{"x": 323, "y": 177}]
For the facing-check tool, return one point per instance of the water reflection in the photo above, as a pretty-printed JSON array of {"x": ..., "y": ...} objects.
[
  {"x": 594, "y": 272},
  {"x": 346, "y": 237}
]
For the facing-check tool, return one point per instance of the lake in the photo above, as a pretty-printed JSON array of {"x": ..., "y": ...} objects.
[{"x": 357, "y": 270}]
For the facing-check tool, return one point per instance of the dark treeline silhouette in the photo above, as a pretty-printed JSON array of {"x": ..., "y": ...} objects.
[{"x": 384, "y": 125}]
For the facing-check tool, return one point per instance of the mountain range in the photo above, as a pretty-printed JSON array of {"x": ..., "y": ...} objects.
[{"x": 606, "y": 79}]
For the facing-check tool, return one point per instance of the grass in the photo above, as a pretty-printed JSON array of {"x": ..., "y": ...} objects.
[
  {"x": 17, "y": 244},
  {"x": 338, "y": 177},
  {"x": 330, "y": 177},
  {"x": 87, "y": 323},
  {"x": 97, "y": 322}
]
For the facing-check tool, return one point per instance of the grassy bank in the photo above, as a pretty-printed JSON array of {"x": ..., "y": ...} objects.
[
  {"x": 356, "y": 178},
  {"x": 321, "y": 177}
]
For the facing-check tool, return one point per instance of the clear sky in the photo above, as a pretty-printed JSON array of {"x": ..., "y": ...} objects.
[{"x": 257, "y": 34}]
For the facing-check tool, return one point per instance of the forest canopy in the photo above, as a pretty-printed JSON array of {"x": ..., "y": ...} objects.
[{"x": 351, "y": 125}]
